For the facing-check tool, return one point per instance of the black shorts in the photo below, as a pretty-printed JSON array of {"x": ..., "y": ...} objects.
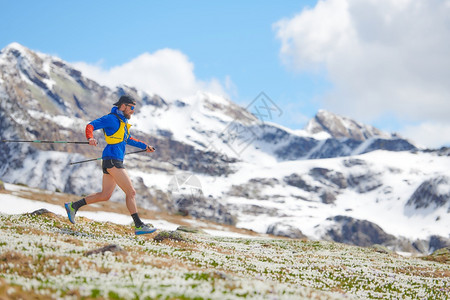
[{"x": 111, "y": 163}]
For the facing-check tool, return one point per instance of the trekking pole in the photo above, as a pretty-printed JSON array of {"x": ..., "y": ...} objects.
[
  {"x": 43, "y": 142},
  {"x": 94, "y": 159}
]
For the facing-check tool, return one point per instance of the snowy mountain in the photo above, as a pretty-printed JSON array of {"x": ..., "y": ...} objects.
[
  {"x": 336, "y": 179},
  {"x": 342, "y": 127}
]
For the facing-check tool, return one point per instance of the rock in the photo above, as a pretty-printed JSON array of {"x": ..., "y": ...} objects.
[
  {"x": 382, "y": 249},
  {"x": 201, "y": 207},
  {"x": 190, "y": 229},
  {"x": 329, "y": 177},
  {"x": 335, "y": 148},
  {"x": 364, "y": 182},
  {"x": 328, "y": 197},
  {"x": 351, "y": 162},
  {"x": 112, "y": 248},
  {"x": 265, "y": 181},
  {"x": 40, "y": 212},
  {"x": 280, "y": 229},
  {"x": 356, "y": 232},
  {"x": 418, "y": 246},
  {"x": 438, "y": 242},
  {"x": 342, "y": 127},
  {"x": 297, "y": 181},
  {"x": 255, "y": 210},
  {"x": 433, "y": 192},
  {"x": 421, "y": 246},
  {"x": 222, "y": 275},
  {"x": 249, "y": 190},
  {"x": 172, "y": 235},
  {"x": 390, "y": 145},
  {"x": 2, "y": 186}
]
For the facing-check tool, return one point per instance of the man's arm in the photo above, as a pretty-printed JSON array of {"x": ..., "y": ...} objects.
[
  {"x": 90, "y": 135},
  {"x": 99, "y": 123},
  {"x": 139, "y": 144}
]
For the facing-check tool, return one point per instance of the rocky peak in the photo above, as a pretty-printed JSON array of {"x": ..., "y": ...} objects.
[
  {"x": 13, "y": 48},
  {"x": 342, "y": 127},
  {"x": 20, "y": 56}
]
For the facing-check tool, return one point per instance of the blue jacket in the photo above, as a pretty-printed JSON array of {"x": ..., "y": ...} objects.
[{"x": 110, "y": 124}]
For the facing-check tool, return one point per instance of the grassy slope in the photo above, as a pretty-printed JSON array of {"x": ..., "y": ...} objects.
[{"x": 45, "y": 257}]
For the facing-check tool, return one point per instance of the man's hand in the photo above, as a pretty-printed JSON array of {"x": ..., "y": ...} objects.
[
  {"x": 93, "y": 142},
  {"x": 150, "y": 149}
]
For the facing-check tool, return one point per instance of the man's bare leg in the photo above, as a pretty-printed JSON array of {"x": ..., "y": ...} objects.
[
  {"x": 108, "y": 186},
  {"x": 122, "y": 179}
]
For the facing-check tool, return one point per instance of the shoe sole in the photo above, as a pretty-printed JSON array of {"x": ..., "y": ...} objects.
[
  {"x": 146, "y": 232},
  {"x": 66, "y": 205}
]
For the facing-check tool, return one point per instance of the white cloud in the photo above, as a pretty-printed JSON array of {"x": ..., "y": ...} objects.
[
  {"x": 383, "y": 57},
  {"x": 166, "y": 72},
  {"x": 311, "y": 37},
  {"x": 429, "y": 134}
]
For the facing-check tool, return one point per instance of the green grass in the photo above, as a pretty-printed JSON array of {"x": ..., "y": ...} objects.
[{"x": 45, "y": 256}]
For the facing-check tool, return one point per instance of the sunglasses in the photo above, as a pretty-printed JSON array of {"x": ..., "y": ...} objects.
[{"x": 130, "y": 106}]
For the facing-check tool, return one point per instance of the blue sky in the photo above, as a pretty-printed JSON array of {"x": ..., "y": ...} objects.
[{"x": 355, "y": 58}]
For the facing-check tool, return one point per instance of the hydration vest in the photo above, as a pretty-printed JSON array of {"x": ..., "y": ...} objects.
[{"x": 123, "y": 133}]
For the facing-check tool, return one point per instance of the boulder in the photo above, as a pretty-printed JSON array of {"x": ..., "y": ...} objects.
[
  {"x": 111, "y": 248},
  {"x": 356, "y": 232},
  {"x": 171, "y": 235},
  {"x": 280, "y": 229},
  {"x": 40, "y": 212}
]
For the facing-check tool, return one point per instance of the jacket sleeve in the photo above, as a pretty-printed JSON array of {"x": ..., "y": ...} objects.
[
  {"x": 89, "y": 131},
  {"x": 100, "y": 123},
  {"x": 136, "y": 143}
]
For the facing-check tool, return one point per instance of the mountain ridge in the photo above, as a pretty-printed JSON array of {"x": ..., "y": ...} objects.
[
  {"x": 253, "y": 174},
  {"x": 342, "y": 127}
]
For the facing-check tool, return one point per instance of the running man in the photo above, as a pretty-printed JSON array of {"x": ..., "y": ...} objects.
[{"x": 117, "y": 134}]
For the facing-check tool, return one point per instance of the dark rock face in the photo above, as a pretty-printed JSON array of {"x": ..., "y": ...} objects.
[
  {"x": 308, "y": 148},
  {"x": 327, "y": 197},
  {"x": 255, "y": 210},
  {"x": 351, "y": 162},
  {"x": 431, "y": 244},
  {"x": 357, "y": 232},
  {"x": 365, "y": 182},
  {"x": 253, "y": 189},
  {"x": 201, "y": 207},
  {"x": 297, "y": 148},
  {"x": 297, "y": 181},
  {"x": 433, "y": 192},
  {"x": 334, "y": 148},
  {"x": 329, "y": 177},
  {"x": 390, "y": 145},
  {"x": 438, "y": 242},
  {"x": 280, "y": 229},
  {"x": 364, "y": 233}
]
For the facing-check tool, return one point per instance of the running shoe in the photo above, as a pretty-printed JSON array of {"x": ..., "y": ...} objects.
[
  {"x": 70, "y": 212},
  {"x": 144, "y": 229}
]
